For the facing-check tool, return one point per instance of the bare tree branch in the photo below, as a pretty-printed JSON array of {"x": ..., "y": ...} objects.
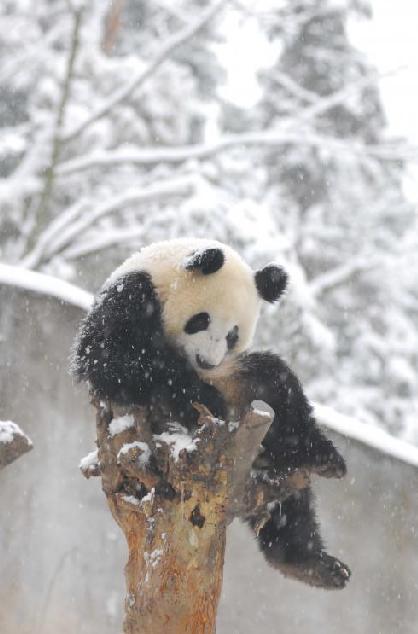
[
  {"x": 139, "y": 80},
  {"x": 72, "y": 222}
]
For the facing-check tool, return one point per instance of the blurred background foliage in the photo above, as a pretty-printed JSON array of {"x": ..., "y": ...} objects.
[{"x": 116, "y": 132}]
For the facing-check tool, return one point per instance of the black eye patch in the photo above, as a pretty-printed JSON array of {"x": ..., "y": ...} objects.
[
  {"x": 197, "y": 323},
  {"x": 232, "y": 338}
]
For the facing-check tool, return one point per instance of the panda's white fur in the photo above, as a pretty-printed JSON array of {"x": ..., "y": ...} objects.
[{"x": 229, "y": 296}]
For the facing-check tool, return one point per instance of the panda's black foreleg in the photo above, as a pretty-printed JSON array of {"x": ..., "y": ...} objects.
[
  {"x": 123, "y": 352},
  {"x": 294, "y": 440},
  {"x": 288, "y": 450},
  {"x": 291, "y": 542},
  {"x": 302, "y": 446},
  {"x": 186, "y": 388}
]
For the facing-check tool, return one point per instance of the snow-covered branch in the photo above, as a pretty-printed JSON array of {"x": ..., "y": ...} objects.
[
  {"x": 31, "y": 53},
  {"x": 72, "y": 223},
  {"x": 54, "y": 229},
  {"x": 45, "y": 285},
  {"x": 263, "y": 139},
  {"x": 108, "y": 239},
  {"x": 139, "y": 80},
  {"x": 293, "y": 87},
  {"x": 323, "y": 104},
  {"x": 340, "y": 275}
]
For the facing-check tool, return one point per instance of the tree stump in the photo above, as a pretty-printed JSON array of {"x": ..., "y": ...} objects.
[{"x": 173, "y": 495}]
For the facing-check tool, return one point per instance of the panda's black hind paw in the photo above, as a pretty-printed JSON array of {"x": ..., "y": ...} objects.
[
  {"x": 331, "y": 572},
  {"x": 320, "y": 572}
]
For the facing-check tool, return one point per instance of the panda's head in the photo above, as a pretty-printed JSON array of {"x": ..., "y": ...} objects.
[{"x": 210, "y": 297}]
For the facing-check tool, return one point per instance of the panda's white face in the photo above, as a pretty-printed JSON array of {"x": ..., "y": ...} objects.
[
  {"x": 210, "y": 317},
  {"x": 208, "y": 340},
  {"x": 210, "y": 298}
]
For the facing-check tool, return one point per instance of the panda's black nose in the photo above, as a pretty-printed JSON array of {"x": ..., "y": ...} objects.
[{"x": 204, "y": 364}]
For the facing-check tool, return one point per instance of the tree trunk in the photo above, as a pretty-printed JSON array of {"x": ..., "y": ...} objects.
[{"x": 173, "y": 496}]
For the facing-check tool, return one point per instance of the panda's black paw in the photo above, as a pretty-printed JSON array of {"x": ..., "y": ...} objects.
[
  {"x": 331, "y": 573},
  {"x": 323, "y": 571},
  {"x": 325, "y": 460},
  {"x": 329, "y": 464},
  {"x": 210, "y": 397}
]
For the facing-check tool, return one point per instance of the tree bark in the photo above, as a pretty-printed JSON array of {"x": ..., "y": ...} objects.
[
  {"x": 112, "y": 24},
  {"x": 173, "y": 496}
]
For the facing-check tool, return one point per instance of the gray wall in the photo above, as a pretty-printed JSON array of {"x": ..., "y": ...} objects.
[{"x": 62, "y": 556}]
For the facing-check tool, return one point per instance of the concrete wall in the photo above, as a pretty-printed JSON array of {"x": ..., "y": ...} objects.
[{"x": 62, "y": 556}]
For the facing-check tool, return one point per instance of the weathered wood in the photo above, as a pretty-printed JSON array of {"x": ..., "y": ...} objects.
[
  {"x": 173, "y": 496},
  {"x": 13, "y": 443}
]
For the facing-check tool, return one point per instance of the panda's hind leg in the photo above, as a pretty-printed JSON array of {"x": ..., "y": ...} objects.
[{"x": 291, "y": 543}]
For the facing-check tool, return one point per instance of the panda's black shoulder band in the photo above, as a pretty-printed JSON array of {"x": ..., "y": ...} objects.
[{"x": 207, "y": 261}]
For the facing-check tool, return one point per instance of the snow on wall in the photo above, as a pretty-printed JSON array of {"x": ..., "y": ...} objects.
[{"x": 368, "y": 434}]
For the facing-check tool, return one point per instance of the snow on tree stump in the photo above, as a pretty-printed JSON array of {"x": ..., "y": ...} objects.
[
  {"x": 173, "y": 495},
  {"x": 13, "y": 443}
]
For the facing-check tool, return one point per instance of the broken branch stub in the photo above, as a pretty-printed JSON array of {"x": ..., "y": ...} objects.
[
  {"x": 13, "y": 443},
  {"x": 173, "y": 495}
]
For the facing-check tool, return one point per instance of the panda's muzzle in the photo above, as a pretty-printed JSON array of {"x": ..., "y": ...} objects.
[{"x": 204, "y": 365}]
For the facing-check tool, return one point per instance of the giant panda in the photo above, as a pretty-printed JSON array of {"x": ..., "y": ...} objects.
[{"x": 173, "y": 325}]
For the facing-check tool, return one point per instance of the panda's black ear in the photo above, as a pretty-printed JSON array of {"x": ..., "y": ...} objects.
[
  {"x": 271, "y": 282},
  {"x": 207, "y": 261}
]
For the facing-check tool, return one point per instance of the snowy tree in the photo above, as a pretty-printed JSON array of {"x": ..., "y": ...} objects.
[
  {"x": 110, "y": 139},
  {"x": 77, "y": 101},
  {"x": 345, "y": 223}
]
